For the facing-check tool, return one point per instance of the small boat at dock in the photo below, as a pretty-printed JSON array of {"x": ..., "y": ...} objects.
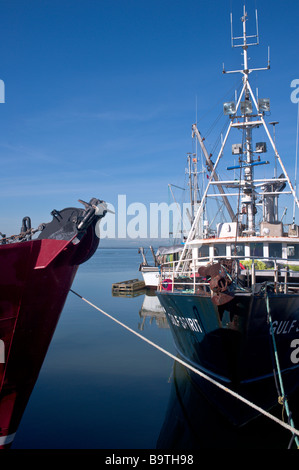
[{"x": 164, "y": 255}]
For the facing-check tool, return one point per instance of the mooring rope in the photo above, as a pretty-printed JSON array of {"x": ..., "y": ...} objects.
[{"x": 193, "y": 369}]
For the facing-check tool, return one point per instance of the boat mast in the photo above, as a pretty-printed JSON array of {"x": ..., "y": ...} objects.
[
  {"x": 245, "y": 121},
  {"x": 190, "y": 188},
  {"x": 248, "y": 172},
  {"x": 193, "y": 185}
]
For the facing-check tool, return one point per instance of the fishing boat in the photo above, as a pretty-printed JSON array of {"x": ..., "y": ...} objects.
[
  {"x": 163, "y": 255},
  {"x": 38, "y": 267},
  {"x": 192, "y": 422},
  {"x": 170, "y": 253},
  {"x": 233, "y": 305}
]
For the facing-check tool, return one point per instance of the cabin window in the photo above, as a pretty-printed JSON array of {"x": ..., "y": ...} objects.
[
  {"x": 256, "y": 250},
  {"x": 275, "y": 250},
  {"x": 203, "y": 251},
  {"x": 238, "y": 250},
  {"x": 293, "y": 251},
  {"x": 220, "y": 250}
]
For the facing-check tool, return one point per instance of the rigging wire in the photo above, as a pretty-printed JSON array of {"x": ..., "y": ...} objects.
[
  {"x": 236, "y": 85},
  {"x": 296, "y": 164}
]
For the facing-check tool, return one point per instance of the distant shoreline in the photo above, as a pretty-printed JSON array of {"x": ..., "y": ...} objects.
[{"x": 133, "y": 244}]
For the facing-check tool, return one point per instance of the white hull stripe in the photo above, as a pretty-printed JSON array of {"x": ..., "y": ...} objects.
[{"x": 7, "y": 439}]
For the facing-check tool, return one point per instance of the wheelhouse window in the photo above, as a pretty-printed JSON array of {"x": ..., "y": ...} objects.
[
  {"x": 203, "y": 251},
  {"x": 293, "y": 251},
  {"x": 275, "y": 250},
  {"x": 220, "y": 250},
  {"x": 238, "y": 250},
  {"x": 256, "y": 250}
]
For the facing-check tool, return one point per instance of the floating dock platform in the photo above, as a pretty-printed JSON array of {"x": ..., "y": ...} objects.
[{"x": 128, "y": 287}]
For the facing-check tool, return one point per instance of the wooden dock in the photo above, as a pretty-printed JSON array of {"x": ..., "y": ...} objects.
[{"x": 128, "y": 287}]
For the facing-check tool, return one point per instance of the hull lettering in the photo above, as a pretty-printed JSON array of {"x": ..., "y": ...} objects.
[
  {"x": 283, "y": 327},
  {"x": 186, "y": 323}
]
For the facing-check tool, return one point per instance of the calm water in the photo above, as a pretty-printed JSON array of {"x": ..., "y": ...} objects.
[{"x": 101, "y": 387}]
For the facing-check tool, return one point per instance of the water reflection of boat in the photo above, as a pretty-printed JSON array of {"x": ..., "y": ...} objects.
[
  {"x": 35, "y": 278},
  {"x": 152, "y": 309},
  {"x": 192, "y": 421}
]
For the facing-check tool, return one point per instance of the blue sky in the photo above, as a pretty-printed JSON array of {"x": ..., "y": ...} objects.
[{"x": 100, "y": 96}]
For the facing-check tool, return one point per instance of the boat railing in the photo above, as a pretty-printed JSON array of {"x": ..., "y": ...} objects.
[{"x": 251, "y": 272}]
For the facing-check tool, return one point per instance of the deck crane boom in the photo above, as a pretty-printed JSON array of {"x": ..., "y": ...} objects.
[{"x": 211, "y": 167}]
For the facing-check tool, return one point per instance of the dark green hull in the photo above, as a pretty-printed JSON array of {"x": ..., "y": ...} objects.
[{"x": 233, "y": 344}]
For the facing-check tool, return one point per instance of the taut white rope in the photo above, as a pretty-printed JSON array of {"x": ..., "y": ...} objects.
[{"x": 196, "y": 371}]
